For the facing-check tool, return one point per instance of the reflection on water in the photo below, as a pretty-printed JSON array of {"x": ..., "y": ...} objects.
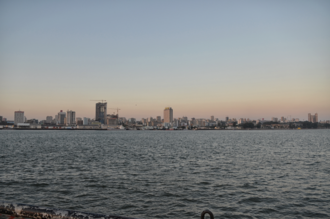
[{"x": 170, "y": 174}]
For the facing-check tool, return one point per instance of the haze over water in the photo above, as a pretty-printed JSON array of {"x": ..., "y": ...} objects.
[{"x": 170, "y": 174}]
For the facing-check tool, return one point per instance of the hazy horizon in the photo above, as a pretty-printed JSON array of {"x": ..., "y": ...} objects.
[{"x": 242, "y": 59}]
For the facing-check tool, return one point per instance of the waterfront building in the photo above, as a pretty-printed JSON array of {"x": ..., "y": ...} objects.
[
  {"x": 122, "y": 119},
  {"x": 175, "y": 122},
  {"x": 309, "y": 117},
  {"x": 85, "y": 121},
  {"x": 212, "y": 118},
  {"x": 71, "y": 118},
  {"x": 313, "y": 118},
  {"x": 0, "y": 118},
  {"x": 112, "y": 119},
  {"x": 168, "y": 115},
  {"x": 19, "y": 117},
  {"x": 32, "y": 121},
  {"x": 240, "y": 121},
  {"x": 49, "y": 119},
  {"x": 274, "y": 119},
  {"x": 78, "y": 119},
  {"x": 132, "y": 120},
  {"x": 101, "y": 112},
  {"x": 159, "y": 119},
  {"x": 61, "y": 118}
]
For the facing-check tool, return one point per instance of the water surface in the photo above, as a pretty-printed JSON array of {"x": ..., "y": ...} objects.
[{"x": 170, "y": 174}]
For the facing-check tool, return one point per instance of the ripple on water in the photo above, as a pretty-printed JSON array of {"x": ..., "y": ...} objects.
[{"x": 151, "y": 174}]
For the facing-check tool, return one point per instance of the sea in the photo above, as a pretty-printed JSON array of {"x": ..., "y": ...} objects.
[{"x": 170, "y": 174}]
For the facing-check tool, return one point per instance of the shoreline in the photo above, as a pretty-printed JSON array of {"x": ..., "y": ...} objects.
[{"x": 22, "y": 129}]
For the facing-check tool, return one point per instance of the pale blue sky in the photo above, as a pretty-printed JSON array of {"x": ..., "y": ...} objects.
[{"x": 223, "y": 58}]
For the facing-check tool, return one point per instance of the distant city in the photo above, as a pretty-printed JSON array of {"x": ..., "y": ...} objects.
[{"x": 103, "y": 121}]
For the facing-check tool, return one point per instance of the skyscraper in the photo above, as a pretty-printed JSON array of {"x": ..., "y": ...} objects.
[
  {"x": 168, "y": 115},
  {"x": 101, "y": 112},
  {"x": 70, "y": 117},
  {"x": 313, "y": 118},
  {"x": 61, "y": 118},
  {"x": 310, "y": 117},
  {"x": 49, "y": 119},
  {"x": 19, "y": 117},
  {"x": 316, "y": 117}
]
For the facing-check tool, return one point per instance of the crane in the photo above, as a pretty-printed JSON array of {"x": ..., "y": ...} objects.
[
  {"x": 99, "y": 100},
  {"x": 117, "y": 111}
]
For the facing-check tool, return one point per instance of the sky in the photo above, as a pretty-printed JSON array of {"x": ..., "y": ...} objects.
[{"x": 242, "y": 59}]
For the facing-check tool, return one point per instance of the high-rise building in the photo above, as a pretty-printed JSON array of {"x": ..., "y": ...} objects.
[
  {"x": 159, "y": 119},
  {"x": 227, "y": 118},
  {"x": 86, "y": 121},
  {"x": 168, "y": 115},
  {"x": 49, "y": 119},
  {"x": 316, "y": 117},
  {"x": 212, "y": 118},
  {"x": 310, "y": 117},
  {"x": 61, "y": 118},
  {"x": 313, "y": 118},
  {"x": 101, "y": 112},
  {"x": 19, "y": 117},
  {"x": 70, "y": 117}
]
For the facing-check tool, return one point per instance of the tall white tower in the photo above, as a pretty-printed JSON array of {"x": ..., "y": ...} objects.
[{"x": 19, "y": 117}]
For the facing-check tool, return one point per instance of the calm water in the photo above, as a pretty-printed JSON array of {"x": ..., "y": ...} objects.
[{"x": 170, "y": 174}]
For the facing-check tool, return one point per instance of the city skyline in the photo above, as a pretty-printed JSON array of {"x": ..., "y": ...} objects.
[
  {"x": 242, "y": 59},
  {"x": 167, "y": 113}
]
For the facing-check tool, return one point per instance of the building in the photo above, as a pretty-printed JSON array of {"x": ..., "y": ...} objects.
[
  {"x": 241, "y": 121},
  {"x": 85, "y": 121},
  {"x": 70, "y": 117},
  {"x": 49, "y": 119},
  {"x": 212, "y": 118},
  {"x": 159, "y": 119},
  {"x": 32, "y": 121},
  {"x": 316, "y": 118},
  {"x": 61, "y": 118},
  {"x": 78, "y": 119},
  {"x": 132, "y": 120},
  {"x": 309, "y": 117},
  {"x": 168, "y": 115},
  {"x": 112, "y": 119},
  {"x": 101, "y": 112},
  {"x": 19, "y": 117},
  {"x": 313, "y": 118}
]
